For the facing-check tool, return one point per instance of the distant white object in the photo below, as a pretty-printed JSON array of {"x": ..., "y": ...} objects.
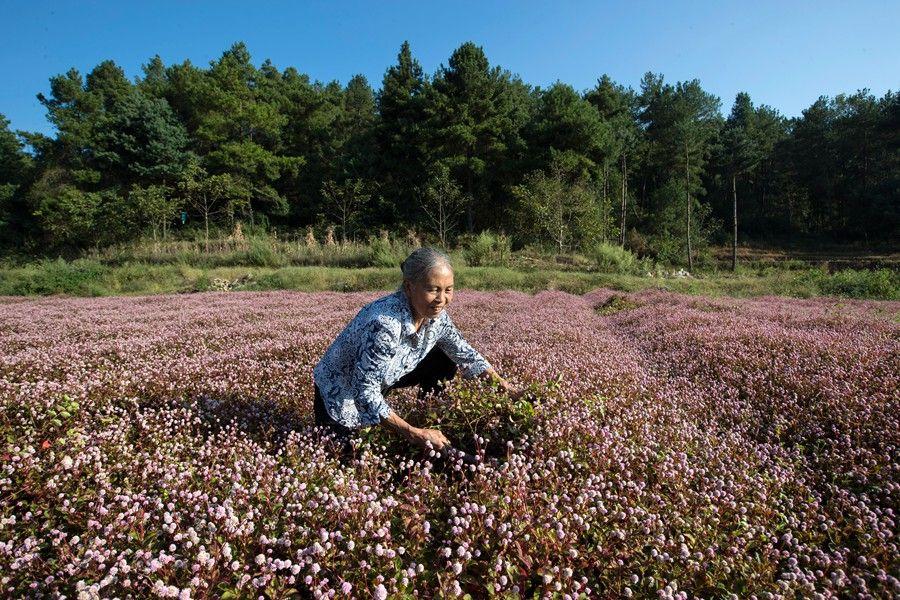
[{"x": 680, "y": 274}]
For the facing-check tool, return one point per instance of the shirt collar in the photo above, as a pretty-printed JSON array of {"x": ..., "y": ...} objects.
[{"x": 406, "y": 315}]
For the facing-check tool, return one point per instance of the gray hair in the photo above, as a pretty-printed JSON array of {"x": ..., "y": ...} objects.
[{"x": 421, "y": 261}]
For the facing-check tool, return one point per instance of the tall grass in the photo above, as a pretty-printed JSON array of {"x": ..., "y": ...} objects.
[
  {"x": 264, "y": 261},
  {"x": 81, "y": 277},
  {"x": 91, "y": 278},
  {"x": 257, "y": 250},
  {"x": 852, "y": 283}
]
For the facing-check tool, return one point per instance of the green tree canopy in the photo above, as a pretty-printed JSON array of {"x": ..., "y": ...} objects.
[
  {"x": 471, "y": 121},
  {"x": 140, "y": 140}
]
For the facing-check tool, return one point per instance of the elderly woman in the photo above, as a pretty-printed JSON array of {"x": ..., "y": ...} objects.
[{"x": 399, "y": 340}]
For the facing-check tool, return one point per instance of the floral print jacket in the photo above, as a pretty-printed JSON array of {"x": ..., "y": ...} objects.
[{"x": 378, "y": 347}]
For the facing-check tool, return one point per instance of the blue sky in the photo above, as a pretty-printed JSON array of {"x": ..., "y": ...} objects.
[{"x": 784, "y": 54}]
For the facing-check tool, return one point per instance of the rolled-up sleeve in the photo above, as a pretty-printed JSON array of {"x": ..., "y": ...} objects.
[
  {"x": 470, "y": 362},
  {"x": 375, "y": 356}
]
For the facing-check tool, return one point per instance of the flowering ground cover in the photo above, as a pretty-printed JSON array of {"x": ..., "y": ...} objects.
[{"x": 673, "y": 447}]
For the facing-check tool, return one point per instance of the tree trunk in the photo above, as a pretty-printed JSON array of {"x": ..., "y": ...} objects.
[
  {"x": 624, "y": 200},
  {"x": 734, "y": 236},
  {"x": 470, "y": 208},
  {"x": 687, "y": 193},
  {"x": 442, "y": 224},
  {"x": 605, "y": 182},
  {"x": 162, "y": 219},
  {"x": 790, "y": 211},
  {"x": 206, "y": 222},
  {"x": 561, "y": 225}
]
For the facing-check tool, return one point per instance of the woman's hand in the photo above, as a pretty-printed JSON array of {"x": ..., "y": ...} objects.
[
  {"x": 415, "y": 435},
  {"x": 494, "y": 377},
  {"x": 516, "y": 394},
  {"x": 438, "y": 440}
]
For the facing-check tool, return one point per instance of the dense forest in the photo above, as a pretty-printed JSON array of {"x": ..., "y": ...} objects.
[{"x": 470, "y": 148}]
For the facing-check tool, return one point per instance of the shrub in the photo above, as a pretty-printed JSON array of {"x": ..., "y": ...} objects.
[
  {"x": 382, "y": 253},
  {"x": 503, "y": 247},
  {"x": 260, "y": 253},
  {"x": 637, "y": 242},
  {"x": 80, "y": 277},
  {"x": 258, "y": 228},
  {"x": 881, "y": 283},
  {"x": 203, "y": 283},
  {"x": 486, "y": 248},
  {"x": 613, "y": 258}
]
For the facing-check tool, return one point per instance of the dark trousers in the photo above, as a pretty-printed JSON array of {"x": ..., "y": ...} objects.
[{"x": 433, "y": 369}]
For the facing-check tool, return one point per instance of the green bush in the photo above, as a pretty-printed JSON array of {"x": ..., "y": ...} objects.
[
  {"x": 503, "y": 249},
  {"x": 703, "y": 258},
  {"x": 203, "y": 283},
  {"x": 260, "y": 253},
  {"x": 614, "y": 259},
  {"x": 259, "y": 227},
  {"x": 382, "y": 253},
  {"x": 486, "y": 248},
  {"x": 637, "y": 242},
  {"x": 617, "y": 303},
  {"x": 881, "y": 283},
  {"x": 477, "y": 249},
  {"x": 80, "y": 277},
  {"x": 666, "y": 249}
]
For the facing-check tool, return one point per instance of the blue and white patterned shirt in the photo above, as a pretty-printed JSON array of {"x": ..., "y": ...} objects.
[{"x": 378, "y": 347}]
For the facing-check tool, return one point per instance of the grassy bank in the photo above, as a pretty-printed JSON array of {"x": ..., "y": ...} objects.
[{"x": 86, "y": 277}]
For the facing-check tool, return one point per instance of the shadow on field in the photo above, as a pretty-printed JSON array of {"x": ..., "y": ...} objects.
[
  {"x": 265, "y": 421},
  {"x": 269, "y": 423}
]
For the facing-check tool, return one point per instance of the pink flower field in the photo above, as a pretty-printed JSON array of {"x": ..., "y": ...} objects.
[{"x": 672, "y": 447}]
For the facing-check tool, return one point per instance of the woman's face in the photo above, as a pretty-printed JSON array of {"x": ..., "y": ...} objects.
[{"x": 432, "y": 295}]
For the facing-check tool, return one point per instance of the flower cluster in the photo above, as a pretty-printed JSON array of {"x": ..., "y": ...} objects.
[{"x": 671, "y": 447}]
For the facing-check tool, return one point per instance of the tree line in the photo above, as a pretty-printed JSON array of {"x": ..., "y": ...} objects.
[{"x": 470, "y": 148}]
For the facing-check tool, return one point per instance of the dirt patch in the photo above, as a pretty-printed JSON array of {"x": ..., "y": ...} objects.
[
  {"x": 828, "y": 258},
  {"x": 616, "y": 303}
]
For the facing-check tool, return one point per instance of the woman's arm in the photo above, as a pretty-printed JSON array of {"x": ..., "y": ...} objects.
[
  {"x": 414, "y": 435},
  {"x": 461, "y": 352},
  {"x": 420, "y": 437}
]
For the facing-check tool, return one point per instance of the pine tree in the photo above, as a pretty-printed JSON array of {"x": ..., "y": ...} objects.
[
  {"x": 471, "y": 121},
  {"x": 399, "y": 137}
]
